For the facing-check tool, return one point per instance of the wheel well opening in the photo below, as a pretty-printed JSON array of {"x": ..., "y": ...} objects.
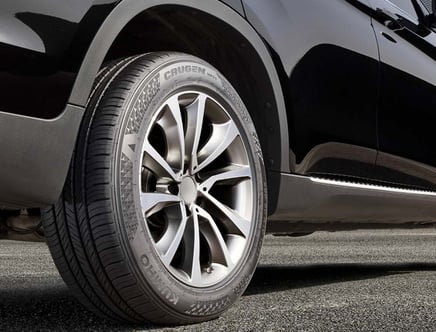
[{"x": 187, "y": 30}]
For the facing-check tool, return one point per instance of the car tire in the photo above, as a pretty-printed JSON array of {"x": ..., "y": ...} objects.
[{"x": 163, "y": 213}]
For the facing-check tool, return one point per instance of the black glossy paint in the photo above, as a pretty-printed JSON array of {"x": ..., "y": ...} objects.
[
  {"x": 356, "y": 97},
  {"x": 407, "y": 109},
  {"x": 329, "y": 56},
  {"x": 33, "y": 139},
  {"x": 361, "y": 90},
  {"x": 328, "y": 103},
  {"x": 42, "y": 44}
]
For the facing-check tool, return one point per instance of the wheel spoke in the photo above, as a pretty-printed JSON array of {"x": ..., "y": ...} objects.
[
  {"x": 157, "y": 164},
  {"x": 222, "y": 246},
  {"x": 222, "y": 137},
  {"x": 191, "y": 263},
  {"x": 172, "y": 238},
  {"x": 242, "y": 224},
  {"x": 195, "y": 117},
  {"x": 229, "y": 173},
  {"x": 172, "y": 125},
  {"x": 153, "y": 202}
]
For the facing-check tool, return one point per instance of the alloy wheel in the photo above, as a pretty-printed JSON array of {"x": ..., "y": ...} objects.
[{"x": 197, "y": 190}]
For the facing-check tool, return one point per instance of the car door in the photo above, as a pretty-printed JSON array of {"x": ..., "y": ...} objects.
[
  {"x": 328, "y": 53},
  {"x": 407, "y": 107}
]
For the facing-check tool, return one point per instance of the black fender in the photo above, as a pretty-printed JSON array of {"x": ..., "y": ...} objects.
[{"x": 126, "y": 10}]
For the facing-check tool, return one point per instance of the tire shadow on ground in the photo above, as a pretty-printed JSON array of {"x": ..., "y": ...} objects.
[
  {"x": 40, "y": 308},
  {"x": 276, "y": 278}
]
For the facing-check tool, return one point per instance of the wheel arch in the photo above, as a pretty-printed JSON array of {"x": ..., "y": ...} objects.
[{"x": 106, "y": 45}]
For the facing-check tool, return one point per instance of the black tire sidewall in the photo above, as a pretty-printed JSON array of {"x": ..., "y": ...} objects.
[{"x": 155, "y": 84}]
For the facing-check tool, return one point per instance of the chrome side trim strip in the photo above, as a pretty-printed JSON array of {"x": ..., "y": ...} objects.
[{"x": 372, "y": 187}]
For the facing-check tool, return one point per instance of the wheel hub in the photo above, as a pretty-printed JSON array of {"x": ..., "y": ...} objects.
[{"x": 188, "y": 190}]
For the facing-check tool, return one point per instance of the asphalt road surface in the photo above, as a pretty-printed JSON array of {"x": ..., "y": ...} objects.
[{"x": 351, "y": 281}]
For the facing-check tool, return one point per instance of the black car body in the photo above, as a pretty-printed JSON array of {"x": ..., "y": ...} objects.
[{"x": 341, "y": 93}]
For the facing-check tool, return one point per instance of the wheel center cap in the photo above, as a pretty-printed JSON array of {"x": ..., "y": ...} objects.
[{"x": 188, "y": 190}]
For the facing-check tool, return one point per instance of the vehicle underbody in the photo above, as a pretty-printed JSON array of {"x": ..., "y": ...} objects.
[{"x": 25, "y": 225}]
